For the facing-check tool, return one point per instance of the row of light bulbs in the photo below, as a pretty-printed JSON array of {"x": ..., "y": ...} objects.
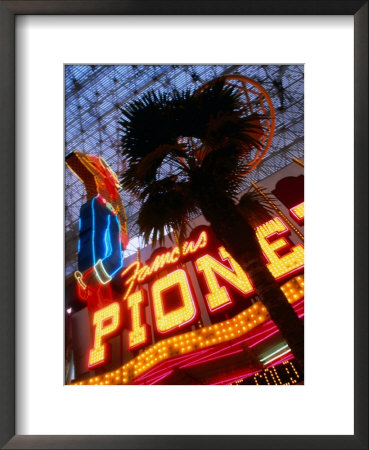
[{"x": 204, "y": 337}]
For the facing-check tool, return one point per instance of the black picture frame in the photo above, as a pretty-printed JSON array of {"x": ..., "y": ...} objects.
[{"x": 8, "y": 12}]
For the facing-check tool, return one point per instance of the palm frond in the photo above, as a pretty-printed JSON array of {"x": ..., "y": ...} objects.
[
  {"x": 255, "y": 208},
  {"x": 203, "y": 136},
  {"x": 146, "y": 124},
  {"x": 145, "y": 171},
  {"x": 167, "y": 205}
]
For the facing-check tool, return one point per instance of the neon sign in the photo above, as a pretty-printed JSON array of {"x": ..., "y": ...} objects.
[
  {"x": 280, "y": 266},
  {"x": 284, "y": 260},
  {"x": 107, "y": 322},
  {"x": 139, "y": 333},
  {"x": 173, "y": 304},
  {"x": 98, "y": 178},
  {"x": 298, "y": 213},
  {"x": 252, "y": 326},
  {"x": 289, "y": 263},
  {"x": 142, "y": 273},
  {"x": 180, "y": 317},
  {"x": 102, "y": 229},
  {"x": 99, "y": 240},
  {"x": 218, "y": 297}
]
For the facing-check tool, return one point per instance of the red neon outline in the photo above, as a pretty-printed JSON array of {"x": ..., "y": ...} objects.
[
  {"x": 224, "y": 347},
  {"x": 236, "y": 378},
  {"x": 209, "y": 359},
  {"x": 164, "y": 365},
  {"x": 254, "y": 344},
  {"x": 173, "y": 362},
  {"x": 231, "y": 303},
  {"x": 207, "y": 353},
  {"x": 155, "y": 380},
  {"x": 96, "y": 295},
  {"x": 105, "y": 345},
  {"x": 151, "y": 374},
  {"x": 193, "y": 299},
  {"x": 141, "y": 307},
  {"x": 269, "y": 329}
]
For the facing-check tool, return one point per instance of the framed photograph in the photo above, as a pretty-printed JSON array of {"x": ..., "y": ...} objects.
[
  {"x": 153, "y": 289},
  {"x": 189, "y": 313}
]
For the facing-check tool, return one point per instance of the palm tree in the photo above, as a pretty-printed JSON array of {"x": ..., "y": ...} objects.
[{"x": 187, "y": 154}]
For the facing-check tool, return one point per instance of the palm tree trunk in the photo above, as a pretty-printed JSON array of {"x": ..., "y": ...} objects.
[{"x": 240, "y": 240}]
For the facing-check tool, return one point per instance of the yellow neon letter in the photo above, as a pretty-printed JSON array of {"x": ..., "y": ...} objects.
[
  {"x": 111, "y": 313},
  {"x": 218, "y": 296},
  {"x": 165, "y": 322},
  {"x": 298, "y": 213},
  {"x": 279, "y": 266},
  {"x": 174, "y": 257},
  {"x": 138, "y": 335}
]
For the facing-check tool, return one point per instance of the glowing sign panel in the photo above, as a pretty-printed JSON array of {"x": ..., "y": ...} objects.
[
  {"x": 166, "y": 322},
  {"x": 218, "y": 297},
  {"x": 284, "y": 259},
  {"x": 185, "y": 314},
  {"x": 138, "y": 336},
  {"x": 286, "y": 264},
  {"x": 106, "y": 322},
  {"x": 298, "y": 213}
]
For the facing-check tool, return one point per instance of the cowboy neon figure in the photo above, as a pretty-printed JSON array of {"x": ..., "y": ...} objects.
[
  {"x": 102, "y": 223},
  {"x": 99, "y": 244}
]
